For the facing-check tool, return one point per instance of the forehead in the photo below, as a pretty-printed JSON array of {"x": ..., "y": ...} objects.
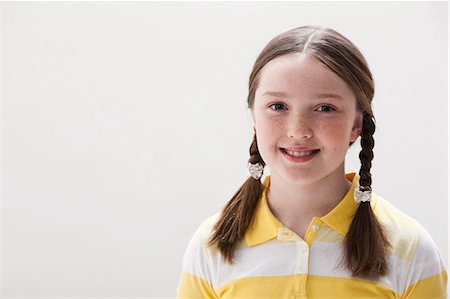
[{"x": 301, "y": 74}]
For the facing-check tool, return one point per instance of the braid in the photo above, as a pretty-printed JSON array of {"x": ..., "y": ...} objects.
[
  {"x": 238, "y": 212},
  {"x": 366, "y": 154},
  {"x": 366, "y": 243},
  {"x": 255, "y": 157}
]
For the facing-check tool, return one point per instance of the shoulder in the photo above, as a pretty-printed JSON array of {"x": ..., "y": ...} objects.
[
  {"x": 414, "y": 254},
  {"x": 195, "y": 256},
  {"x": 386, "y": 211},
  {"x": 410, "y": 239},
  {"x": 406, "y": 233},
  {"x": 398, "y": 224},
  {"x": 197, "y": 278},
  {"x": 203, "y": 231}
]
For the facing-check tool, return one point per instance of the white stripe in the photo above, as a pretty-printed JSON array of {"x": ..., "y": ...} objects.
[
  {"x": 326, "y": 260},
  {"x": 273, "y": 258}
]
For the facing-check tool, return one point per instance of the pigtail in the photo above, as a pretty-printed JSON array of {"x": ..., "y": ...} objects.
[
  {"x": 238, "y": 212},
  {"x": 366, "y": 243}
]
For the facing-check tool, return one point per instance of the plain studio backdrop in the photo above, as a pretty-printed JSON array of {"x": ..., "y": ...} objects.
[{"x": 124, "y": 125}]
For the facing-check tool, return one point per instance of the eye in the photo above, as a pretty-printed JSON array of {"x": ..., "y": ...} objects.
[
  {"x": 326, "y": 108},
  {"x": 277, "y": 106}
]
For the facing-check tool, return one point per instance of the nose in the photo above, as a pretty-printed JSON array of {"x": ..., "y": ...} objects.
[{"x": 299, "y": 127}]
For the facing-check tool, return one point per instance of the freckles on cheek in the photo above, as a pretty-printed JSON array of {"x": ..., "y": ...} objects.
[
  {"x": 273, "y": 132},
  {"x": 266, "y": 125},
  {"x": 337, "y": 137},
  {"x": 267, "y": 134}
]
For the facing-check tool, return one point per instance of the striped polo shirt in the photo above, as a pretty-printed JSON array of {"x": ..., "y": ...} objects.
[{"x": 272, "y": 261}]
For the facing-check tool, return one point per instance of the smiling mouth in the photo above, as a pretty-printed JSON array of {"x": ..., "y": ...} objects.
[{"x": 299, "y": 153}]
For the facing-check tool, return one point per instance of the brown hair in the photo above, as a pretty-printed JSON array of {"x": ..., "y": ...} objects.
[{"x": 366, "y": 245}]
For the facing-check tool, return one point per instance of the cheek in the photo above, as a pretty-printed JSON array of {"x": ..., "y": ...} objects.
[
  {"x": 268, "y": 134},
  {"x": 268, "y": 128},
  {"x": 337, "y": 135}
]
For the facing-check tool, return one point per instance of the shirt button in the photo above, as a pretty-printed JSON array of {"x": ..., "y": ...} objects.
[
  {"x": 301, "y": 269},
  {"x": 315, "y": 227},
  {"x": 303, "y": 248}
]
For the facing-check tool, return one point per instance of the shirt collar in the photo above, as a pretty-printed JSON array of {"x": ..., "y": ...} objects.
[{"x": 265, "y": 225}]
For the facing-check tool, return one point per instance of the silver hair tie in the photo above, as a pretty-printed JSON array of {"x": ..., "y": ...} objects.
[
  {"x": 364, "y": 196},
  {"x": 255, "y": 170}
]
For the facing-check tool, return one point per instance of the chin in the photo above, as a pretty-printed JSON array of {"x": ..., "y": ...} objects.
[{"x": 297, "y": 177}]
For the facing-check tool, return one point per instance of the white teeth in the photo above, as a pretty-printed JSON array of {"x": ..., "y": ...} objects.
[{"x": 299, "y": 154}]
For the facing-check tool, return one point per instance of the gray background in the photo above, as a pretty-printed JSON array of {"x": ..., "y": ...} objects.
[{"x": 124, "y": 125}]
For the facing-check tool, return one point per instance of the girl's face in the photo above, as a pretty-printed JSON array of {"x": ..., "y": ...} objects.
[{"x": 302, "y": 106}]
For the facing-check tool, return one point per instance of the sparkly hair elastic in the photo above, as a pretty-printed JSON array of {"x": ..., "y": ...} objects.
[
  {"x": 255, "y": 170},
  {"x": 362, "y": 195}
]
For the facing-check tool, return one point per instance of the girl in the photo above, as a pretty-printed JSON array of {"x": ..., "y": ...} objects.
[{"x": 310, "y": 230}]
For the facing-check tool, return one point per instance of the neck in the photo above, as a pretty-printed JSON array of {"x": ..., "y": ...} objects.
[{"x": 291, "y": 202}]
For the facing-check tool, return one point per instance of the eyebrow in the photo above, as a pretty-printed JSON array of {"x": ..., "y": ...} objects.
[{"x": 316, "y": 96}]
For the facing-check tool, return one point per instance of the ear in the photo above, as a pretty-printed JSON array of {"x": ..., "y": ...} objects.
[{"x": 357, "y": 126}]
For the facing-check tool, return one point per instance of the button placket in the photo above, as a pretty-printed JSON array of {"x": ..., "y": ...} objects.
[
  {"x": 303, "y": 259},
  {"x": 302, "y": 267},
  {"x": 304, "y": 247}
]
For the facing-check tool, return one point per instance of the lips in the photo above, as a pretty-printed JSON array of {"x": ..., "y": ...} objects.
[{"x": 298, "y": 155}]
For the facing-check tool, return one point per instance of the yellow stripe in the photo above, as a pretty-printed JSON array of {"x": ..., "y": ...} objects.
[
  {"x": 429, "y": 288},
  {"x": 315, "y": 286},
  {"x": 336, "y": 287},
  {"x": 259, "y": 287},
  {"x": 193, "y": 287}
]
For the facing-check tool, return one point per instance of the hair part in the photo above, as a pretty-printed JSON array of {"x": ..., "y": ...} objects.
[{"x": 366, "y": 244}]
